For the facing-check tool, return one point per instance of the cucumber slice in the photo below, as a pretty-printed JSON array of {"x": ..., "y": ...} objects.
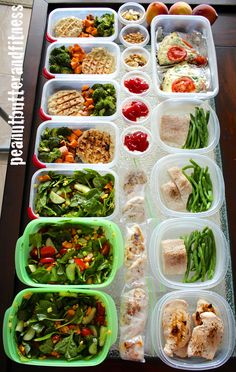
[
  {"x": 82, "y": 188},
  {"x": 102, "y": 336},
  {"x": 29, "y": 334},
  {"x": 55, "y": 198},
  {"x": 93, "y": 348}
]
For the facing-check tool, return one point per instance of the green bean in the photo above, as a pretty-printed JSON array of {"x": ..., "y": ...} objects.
[{"x": 197, "y": 136}]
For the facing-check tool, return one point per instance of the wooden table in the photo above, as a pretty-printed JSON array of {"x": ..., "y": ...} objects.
[{"x": 14, "y": 213}]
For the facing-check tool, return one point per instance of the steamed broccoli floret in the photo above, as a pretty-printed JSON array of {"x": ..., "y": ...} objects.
[
  {"x": 60, "y": 61},
  {"x": 53, "y": 142},
  {"x": 66, "y": 70},
  {"x": 98, "y": 94},
  {"x": 55, "y": 68},
  {"x": 49, "y": 157},
  {"x": 105, "y": 24},
  {"x": 64, "y": 131}
]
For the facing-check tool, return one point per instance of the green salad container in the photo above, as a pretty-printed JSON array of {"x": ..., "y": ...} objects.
[
  {"x": 112, "y": 232},
  {"x": 10, "y": 321}
]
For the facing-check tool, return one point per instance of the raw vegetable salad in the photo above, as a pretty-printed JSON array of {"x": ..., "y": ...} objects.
[
  {"x": 84, "y": 193},
  {"x": 70, "y": 255},
  {"x": 62, "y": 325}
]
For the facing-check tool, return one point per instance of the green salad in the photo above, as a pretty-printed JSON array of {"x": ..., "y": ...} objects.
[
  {"x": 63, "y": 325},
  {"x": 70, "y": 255},
  {"x": 85, "y": 193}
]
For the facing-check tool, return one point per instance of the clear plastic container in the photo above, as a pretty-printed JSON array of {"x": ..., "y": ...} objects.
[
  {"x": 159, "y": 176},
  {"x": 54, "y": 85},
  {"x": 87, "y": 45},
  {"x": 67, "y": 172},
  {"x": 133, "y": 28},
  {"x": 136, "y": 74},
  {"x": 135, "y": 50},
  {"x": 112, "y": 232},
  {"x": 176, "y": 228},
  {"x": 132, "y": 129},
  {"x": 226, "y": 347},
  {"x": 104, "y": 126},
  {"x": 134, "y": 98},
  {"x": 182, "y": 106},
  {"x": 81, "y": 13},
  {"x": 135, "y": 6},
  {"x": 10, "y": 321},
  {"x": 185, "y": 24}
]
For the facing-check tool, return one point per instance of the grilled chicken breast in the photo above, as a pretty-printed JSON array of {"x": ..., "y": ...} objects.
[
  {"x": 174, "y": 129},
  {"x": 206, "y": 337},
  {"x": 174, "y": 256},
  {"x": 68, "y": 27},
  {"x": 176, "y": 324},
  {"x": 182, "y": 183},
  {"x": 132, "y": 349},
  {"x": 172, "y": 196},
  {"x": 136, "y": 271},
  {"x": 66, "y": 103},
  {"x": 98, "y": 61},
  {"x": 202, "y": 307}
]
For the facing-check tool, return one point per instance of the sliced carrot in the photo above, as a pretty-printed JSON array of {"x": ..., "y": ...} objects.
[
  {"x": 78, "y": 132},
  {"x": 78, "y": 70},
  {"x": 69, "y": 158},
  {"x": 44, "y": 178},
  {"x": 91, "y": 107},
  {"x": 72, "y": 137},
  {"x": 89, "y": 101},
  {"x": 73, "y": 144},
  {"x": 94, "y": 32},
  {"x": 59, "y": 160},
  {"x": 67, "y": 244},
  {"x": 85, "y": 87}
]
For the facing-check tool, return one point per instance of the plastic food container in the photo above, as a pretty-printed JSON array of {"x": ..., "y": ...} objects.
[
  {"x": 135, "y": 50},
  {"x": 181, "y": 106},
  {"x": 135, "y": 6},
  {"x": 54, "y": 85},
  {"x": 112, "y": 232},
  {"x": 136, "y": 74},
  {"x": 225, "y": 349},
  {"x": 159, "y": 176},
  {"x": 107, "y": 127},
  {"x": 174, "y": 229},
  {"x": 132, "y": 129},
  {"x": 185, "y": 24},
  {"x": 67, "y": 172},
  {"x": 87, "y": 46},
  {"x": 81, "y": 13},
  {"x": 133, "y": 28},
  {"x": 10, "y": 321},
  {"x": 128, "y": 101}
]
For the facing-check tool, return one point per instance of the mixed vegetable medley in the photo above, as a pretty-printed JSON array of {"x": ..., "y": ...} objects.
[
  {"x": 70, "y": 255},
  {"x": 63, "y": 325},
  {"x": 84, "y": 193}
]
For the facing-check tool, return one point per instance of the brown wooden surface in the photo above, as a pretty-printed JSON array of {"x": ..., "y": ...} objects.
[{"x": 14, "y": 213}]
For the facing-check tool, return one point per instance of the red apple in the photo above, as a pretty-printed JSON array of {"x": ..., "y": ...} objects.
[
  {"x": 207, "y": 11},
  {"x": 180, "y": 8},
  {"x": 155, "y": 9}
]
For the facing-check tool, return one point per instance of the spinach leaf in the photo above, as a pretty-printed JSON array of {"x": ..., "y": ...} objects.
[
  {"x": 67, "y": 347},
  {"x": 46, "y": 347}
]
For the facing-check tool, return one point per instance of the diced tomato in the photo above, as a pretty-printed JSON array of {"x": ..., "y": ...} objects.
[
  {"x": 176, "y": 54},
  {"x": 47, "y": 251},
  {"x": 86, "y": 332},
  {"x": 183, "y": 85},
  {"x": 200, "y": 60},
  {"x": 80, "y": 263}
]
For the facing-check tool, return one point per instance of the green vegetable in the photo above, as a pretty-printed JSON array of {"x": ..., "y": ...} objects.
[
  {"x": 104, "y": 97},
  {"x": 55, "y": 198},
  {"x": 105, "y": 25},
  {"x": 67, "y": 347},
  {"x": 60, "y": 61},
  {"x": 102, "y": 336},
  {"x": 93, "y": 347},
  {"x": 29, "y": 334},
  {"x": 87, "y": 319},
  {"x": 197, "y": 137},
  {"x": 70, "y": 272}
]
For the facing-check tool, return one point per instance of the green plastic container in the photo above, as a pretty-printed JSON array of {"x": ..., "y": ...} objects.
[
  {"x": 112, "y": 232},
  {"x": 10, "y": 320}
]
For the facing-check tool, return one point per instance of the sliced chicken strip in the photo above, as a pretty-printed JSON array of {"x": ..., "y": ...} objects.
[
  {"x": 172, "y": 197},
  {"x": 174, "y": 129},
  {"x": 183, "y": 185},
  {"x": 206, "y": 337},
  {"x": 202, "y": 307},
  {"x": 174, "y": 256},
  {"x": 176, "y": 322}
]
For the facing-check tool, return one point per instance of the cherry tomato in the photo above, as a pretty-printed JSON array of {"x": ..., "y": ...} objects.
[
  {"x": 47, "y": 260},
  {"x": 105, "y": 249},
  {"x": 47, "y": 251},
  {"x": 63, "y": 251},
  {"x": 80, "y": 263},
  {"x": 86, "y": 332},
  {"x": 183, "y": 85},
  {"x": 176, "y": 54},
  {"x": 200, "y": 60}
]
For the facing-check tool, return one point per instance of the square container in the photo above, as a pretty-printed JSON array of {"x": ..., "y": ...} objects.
[
  {"x": 159, "y": 176},
  {"x": 107, "y": 127},
  {"x": 87, "y": 45},
  {"x": 10, "y": 321},
  {"x": 54, "y": 85},
  {"x": 183, "y": 106},
  {"x": 68, "y": 172},
  {"x": 174, "y": 229},
  {"x": 112, "y": 232},
  {"x": 224, "y": 351},
  {"x": 185, "y": 24},
  {"x": 59, "y": 13}
]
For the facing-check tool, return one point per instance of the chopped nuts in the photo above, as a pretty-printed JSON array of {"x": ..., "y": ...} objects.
[
  {"x": 134, "y": 37},
  {"x": 135, "y": 60}
]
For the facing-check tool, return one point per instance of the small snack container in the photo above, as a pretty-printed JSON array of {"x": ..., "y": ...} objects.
[
  {"x": 132, "y": 29},
  {"x": 180, "y": 107},
  {"x": 24, "y": 246},
  {"x": 133, "y": 75},
  {"x": 60, "y": 13},
  {"x": 104, "y": 126},
  {"x": 133, "y": 99},
  {"x": 54, "y": 85},
  {"x": 177, "y": 228},
  {"x": 159, "y": 176},
  {"x": 11, "y": 322},
  {"x": 192, "y": 296},
  {"x": 135, "y": 57},
  {"x": 131, "y": 6},
  {"x": 185, "y": 24},
  {"x": 69, "y": 172},
  {"x": 136, "y": 129},
  {"x": 87, "y": 46}
]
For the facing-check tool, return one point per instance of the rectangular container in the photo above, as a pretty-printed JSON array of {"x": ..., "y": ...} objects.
[
  {"x": 159, "y": 176},
  {"x": 68, "y": 172},
  {"x": 185, "y": 24},
  {"x": 59, "y": 13},
  {"x": 180, "y": 107},
  {"x": 111, "y": 47},
  {"x": 176, "y": 228},
  {"x": 191, "y": 297},
  {"x": 54, "y": 85},
  {"x": 107, "y": 127},
  {"x": 10, "y": 321}
]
